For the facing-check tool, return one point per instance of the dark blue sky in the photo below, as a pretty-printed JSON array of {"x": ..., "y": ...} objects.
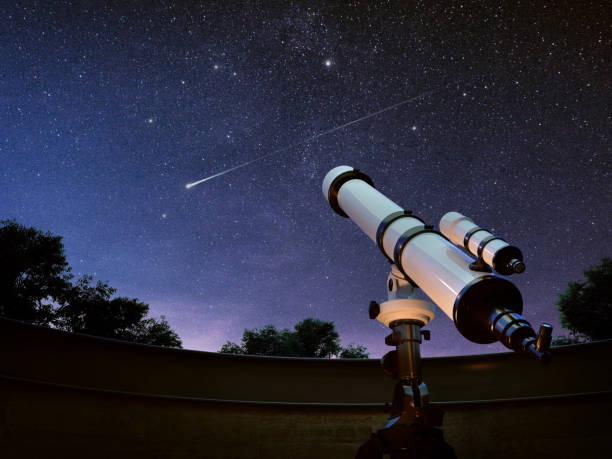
[{"x": 107, "y": 110}]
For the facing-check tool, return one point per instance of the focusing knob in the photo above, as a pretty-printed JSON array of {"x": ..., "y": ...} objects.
[
  {"x": 389, "y": 364},
  {"x": 394, "y": 339},
  {"x": 374, "y": 310}
]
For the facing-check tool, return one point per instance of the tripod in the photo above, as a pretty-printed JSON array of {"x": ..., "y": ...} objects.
[{"x": 414, "y": 426}]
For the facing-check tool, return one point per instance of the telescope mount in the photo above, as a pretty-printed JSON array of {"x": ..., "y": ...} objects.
[{"x": 411, "y": 414}]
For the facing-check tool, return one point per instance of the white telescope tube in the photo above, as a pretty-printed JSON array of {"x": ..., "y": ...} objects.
[
  {"x": 427, "y": 258},
  {"x": 494, "y": 251}
]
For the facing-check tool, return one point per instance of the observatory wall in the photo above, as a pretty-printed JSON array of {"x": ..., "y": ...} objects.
[{"x": 68, "y": 395}]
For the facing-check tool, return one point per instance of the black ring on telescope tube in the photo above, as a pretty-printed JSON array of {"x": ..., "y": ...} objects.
[
  {"x": 334, "y": 188},
  {"x": 484, "y": 242},
  {"x": 401, "y": 243},
  {"x": 469, "y": 234},
  {"x": 386, "y": 222}
]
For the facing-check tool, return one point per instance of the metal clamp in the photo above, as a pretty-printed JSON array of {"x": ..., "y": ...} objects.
[
  {"x": 386, "y": 222},
  {"x": 469, "y": 234},
  {"x": 401, "y": 244}
]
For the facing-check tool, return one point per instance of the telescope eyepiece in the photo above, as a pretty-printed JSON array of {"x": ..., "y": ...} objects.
[
  {"x": 544, "y": 337},
  {"x": 514, "y": 332},
  {"x": 516, "y": 265}
]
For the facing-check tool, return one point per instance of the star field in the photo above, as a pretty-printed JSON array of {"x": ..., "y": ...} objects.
[{"x": 107, "y": 110}]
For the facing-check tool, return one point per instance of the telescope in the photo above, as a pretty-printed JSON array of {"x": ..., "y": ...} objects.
[
  {"x": 453, "y": 267},
  {"x": 484, "y": 306}
]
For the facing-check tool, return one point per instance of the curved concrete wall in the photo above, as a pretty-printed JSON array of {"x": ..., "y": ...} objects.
[{"x": 79, "y": 396}]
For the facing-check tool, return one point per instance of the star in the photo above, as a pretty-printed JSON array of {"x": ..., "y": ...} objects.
[{"x": 328, "y": 63}]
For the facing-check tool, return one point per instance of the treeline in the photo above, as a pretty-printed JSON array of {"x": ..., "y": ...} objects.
[
  {"x": 310, "y": 338},
  {"x": 37, "y": 286}
]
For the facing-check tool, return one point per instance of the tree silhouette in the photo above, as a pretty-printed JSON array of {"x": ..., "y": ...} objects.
[
  {"x": 264, "y": 341},
  {"x": 34, "y": 273},
  {"x": 89, "y": 309},
  {"x": 36, "y": 286},
  {"x": 354, "y": 351},
  {"x": 311, "y": 338},
  {"x": 586, "y": 307},
  {"x": 317, "y": 338}
]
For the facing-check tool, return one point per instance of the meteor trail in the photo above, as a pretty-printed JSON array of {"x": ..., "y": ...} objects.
[{"x": 320, "y": 134}]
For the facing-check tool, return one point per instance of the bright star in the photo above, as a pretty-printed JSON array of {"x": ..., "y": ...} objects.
[{"x": 328, "y": 63}]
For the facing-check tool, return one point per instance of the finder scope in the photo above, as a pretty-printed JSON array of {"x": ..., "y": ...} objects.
[
  {"x": 489, "y": 249},
  {"x": 484, "y": 306}
]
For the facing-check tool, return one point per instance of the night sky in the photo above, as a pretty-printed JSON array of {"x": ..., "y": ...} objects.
[{"x": 108, "y": 109}]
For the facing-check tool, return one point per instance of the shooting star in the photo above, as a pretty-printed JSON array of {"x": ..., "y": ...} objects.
[{"x": 320, "y": 134}]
